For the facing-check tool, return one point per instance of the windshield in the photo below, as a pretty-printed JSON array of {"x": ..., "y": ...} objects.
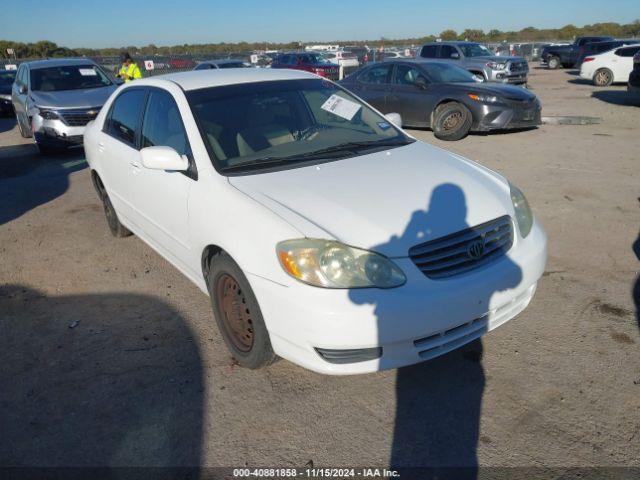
[
  {"x": 313, "y": 58},
  {"x": 70, "y": 77},
  {"x": 445, "y": 73},
  {"x": 7, "y": 78},
  {"x": 272, "y": 124},
  {"x": 475, "y": 50},
  {"x": 238, "y": 64}
]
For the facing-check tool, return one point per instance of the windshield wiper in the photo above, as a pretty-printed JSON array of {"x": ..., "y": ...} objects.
[{"x": 335, "y": 151}]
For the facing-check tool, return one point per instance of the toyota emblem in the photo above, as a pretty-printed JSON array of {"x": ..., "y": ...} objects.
[{"x": 475, "y": 249}]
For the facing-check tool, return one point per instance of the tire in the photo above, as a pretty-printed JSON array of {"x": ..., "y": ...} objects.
[
  {"x": 553, "y": 63},
  {"x": 45, "y": 149},
  {"x": 603, "y": 77},
  {"x": 116, "y": 228},
  {"x": 237, "y": 314},
  {"x": 451, "y": 121}
]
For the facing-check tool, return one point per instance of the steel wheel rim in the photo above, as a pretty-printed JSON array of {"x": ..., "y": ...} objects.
[
  {"x": 235, "y": 312},
  {"x": 452, "y": 121}
]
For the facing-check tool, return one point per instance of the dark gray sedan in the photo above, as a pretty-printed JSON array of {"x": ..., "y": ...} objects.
[{"x": 446, "y": 98}]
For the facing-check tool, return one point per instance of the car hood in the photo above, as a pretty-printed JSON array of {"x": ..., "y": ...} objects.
[
  {"x": 497, "y": 58},
  {"x": 510, "y": 92},
  {"x": 89, "y": 97},
  {"x": 386, "y": 201}
]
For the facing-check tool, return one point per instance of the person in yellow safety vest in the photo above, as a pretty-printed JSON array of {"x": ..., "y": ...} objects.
[{"x": 129, "y": 70}]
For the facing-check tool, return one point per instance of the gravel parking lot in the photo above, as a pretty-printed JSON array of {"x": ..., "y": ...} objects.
[{"x": 111, "y": 357}]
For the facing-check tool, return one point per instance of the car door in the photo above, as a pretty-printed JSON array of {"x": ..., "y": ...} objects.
[
  {"x": 118, "y": 154},
  {"x": 406, "y": 97},
  {"x": 373, "y": 85},
  {"x": 161, "y": 197},
  {"x": 622, "y": 63},
  {"x": 19, "y": 95}
]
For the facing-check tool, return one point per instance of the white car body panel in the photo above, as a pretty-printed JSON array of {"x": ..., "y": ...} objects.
[
  {"x": 367, "y": 201},
  {"x": 620, "y": 66}
]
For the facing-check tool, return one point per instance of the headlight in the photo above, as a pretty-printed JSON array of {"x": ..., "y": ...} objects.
[
  {"x": 524, "y": 216},
  {"x": 49, "y": 114},
  {"x": 5, "y": 97},
  {"x": 330, "y": 264},
  {"x": 484, "y": 98},
  {"x": 497, "y": 65}
]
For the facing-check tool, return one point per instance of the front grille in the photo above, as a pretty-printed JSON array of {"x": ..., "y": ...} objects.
[
  {"x": 464, "y": 250},
  {"x": 79, "y": 117},
  {"x": 518, "y": 67}
]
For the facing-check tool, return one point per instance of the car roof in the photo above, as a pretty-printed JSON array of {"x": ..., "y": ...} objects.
[
  {"x": 197, "y": 79},
  {"x": 222, "y": 62},
  {"x": 452, "y": 42},
  {"x": 58, "y": 62}
]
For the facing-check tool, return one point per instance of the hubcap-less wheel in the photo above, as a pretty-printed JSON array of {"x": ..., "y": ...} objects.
[
  {"x": 452, "y": 121},
  {"x": 235, "y": 312}
]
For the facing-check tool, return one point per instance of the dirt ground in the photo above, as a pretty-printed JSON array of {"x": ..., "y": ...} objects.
[{"x": 110, "y": 357}]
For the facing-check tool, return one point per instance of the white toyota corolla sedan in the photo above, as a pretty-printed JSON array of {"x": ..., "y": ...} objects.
[{"x": 320, "y": 230}]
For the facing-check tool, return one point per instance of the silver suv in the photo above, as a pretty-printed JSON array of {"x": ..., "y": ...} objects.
[
  {"x": 479, "y": 60},
  {"x": 55, "y": 99}
]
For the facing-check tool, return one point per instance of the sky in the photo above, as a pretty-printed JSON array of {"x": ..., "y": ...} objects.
[{"x": 118, "y": 23}]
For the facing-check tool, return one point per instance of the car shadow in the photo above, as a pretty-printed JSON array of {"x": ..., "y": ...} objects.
[
  {"x": 7, "y": 124},
  {"x": 617, "y": 97},
  {"x": 438, "y": 403},
  {"x": 573, "y": 73},
  {"x": 580, "y": 81},
  {"x": 98, "y": 380},
  {"x": 28, "y": 179}
]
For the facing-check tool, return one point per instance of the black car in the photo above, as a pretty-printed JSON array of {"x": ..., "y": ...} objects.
[
  {"x": 444, "y": 97},
  {"x": 6, "y": 81},
  {"x": 594, "y": 48},
  {"x": 634, "y": 78}
]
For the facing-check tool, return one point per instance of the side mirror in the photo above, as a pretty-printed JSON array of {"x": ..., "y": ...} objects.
[
  {"x": 163, "y": 158},
  {"x": 394, "y": 118},
  {"x": 22, "y": 89},
  {"x": 421, "y": 83},
  {"x": 455, "y": 56}
]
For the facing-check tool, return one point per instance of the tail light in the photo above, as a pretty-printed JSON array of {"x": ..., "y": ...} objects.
[
  {"x": 320, "y": 71},
  {"x": 588, "y": 59}
]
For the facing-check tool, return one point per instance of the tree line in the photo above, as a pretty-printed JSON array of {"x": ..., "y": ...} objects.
[{"x": 46, "y": 48}]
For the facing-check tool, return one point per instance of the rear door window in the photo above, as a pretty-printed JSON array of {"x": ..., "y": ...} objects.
[
  {"x": 446, "y": 51},
  {"x": 627, "y": 52},
  {"x": 376, "y": 75},
  {"x": 124, "y": 118},
  {"x": 162, "y": 124},
  {"x": 429, "y": 51}
]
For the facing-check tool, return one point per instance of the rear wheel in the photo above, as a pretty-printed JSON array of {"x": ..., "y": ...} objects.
[
  {"x": 451, "y": 121},
  {"x": 603, "y": 78},
  {"x": 237, "y": 314},
  {"x": 553, "y": 63}
]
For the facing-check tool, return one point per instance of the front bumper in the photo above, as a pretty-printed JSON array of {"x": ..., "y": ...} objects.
[
  {"x": 513, "y": 116},
  {"x": 416, "y": 322},
  {"x": 505, "y": 76},
  {"x": 56, "y": 133}
]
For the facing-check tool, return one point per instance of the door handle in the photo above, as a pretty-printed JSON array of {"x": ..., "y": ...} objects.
[
  {"x": 135, "y": 164},
  {"x": 101, "y": 146}
]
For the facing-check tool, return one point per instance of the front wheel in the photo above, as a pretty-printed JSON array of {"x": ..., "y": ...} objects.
[
  {"x": 603, "y": 78},
  {"x": 237, "y": 314},
  {"x": 452, "y": 121}
]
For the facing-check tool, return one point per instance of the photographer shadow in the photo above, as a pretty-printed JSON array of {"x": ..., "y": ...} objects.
[{"x": 438, "y": 403}]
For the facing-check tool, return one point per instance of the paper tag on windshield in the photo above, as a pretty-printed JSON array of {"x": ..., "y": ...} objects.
[
  {"x": 341, "y": 107},
  {"x": 87, "y": 72}
]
